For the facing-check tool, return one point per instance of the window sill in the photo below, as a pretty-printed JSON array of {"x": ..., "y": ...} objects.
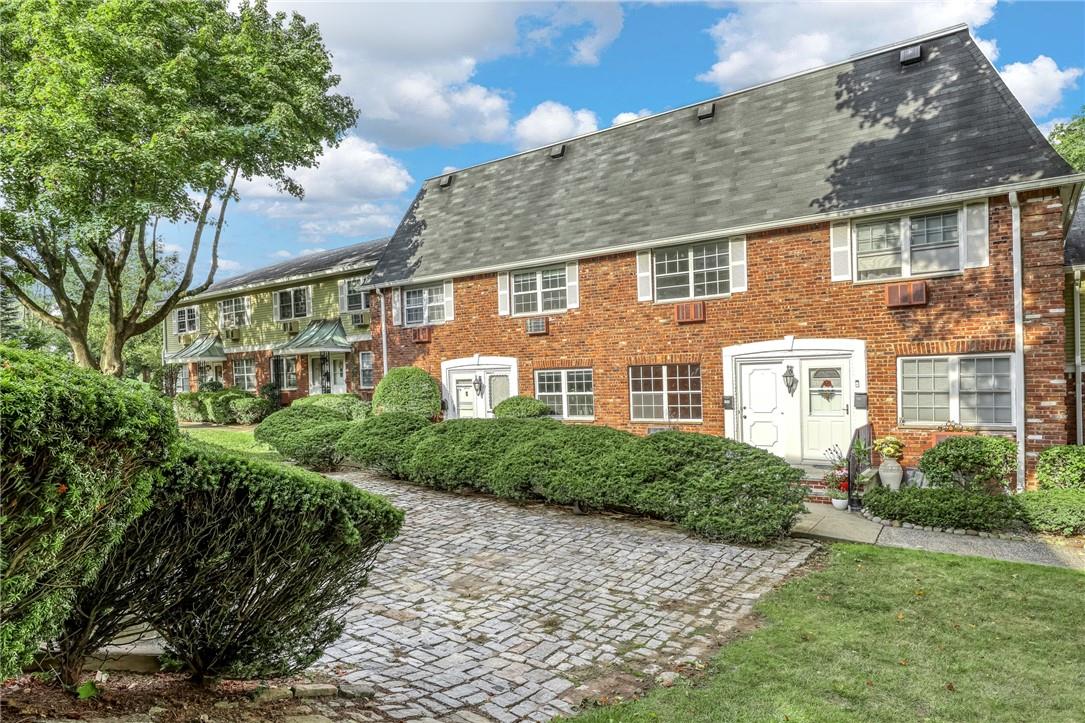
[
  {"x": 536, "y": 314},
  {"x": 666, "y": 421},
  {"x": 914, "y": 277},
  {"x": 936, "y": 426},
  {"x": 425, "y": 324},
  {"x": 661, "y": 302}
]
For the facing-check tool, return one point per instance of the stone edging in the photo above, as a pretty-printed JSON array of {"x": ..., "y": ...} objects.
[{"x": 950, "y": 530}]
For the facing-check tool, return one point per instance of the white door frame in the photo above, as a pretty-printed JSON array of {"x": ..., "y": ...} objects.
[
  {"x": 483, "y": 366},
  {"x": 792, "y": 348},
  {"x": 332, "y": 358}
]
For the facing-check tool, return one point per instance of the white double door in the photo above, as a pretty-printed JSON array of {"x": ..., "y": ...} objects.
[
  {"x": 796, "y": 408},
  {"x": 476, "y": 392},
  {"x": 334, "y": 372}
]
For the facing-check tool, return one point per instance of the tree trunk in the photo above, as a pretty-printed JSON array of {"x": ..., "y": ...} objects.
[
  {"x": 112, "y": 358},
  {"x": 81, "y": 350}
]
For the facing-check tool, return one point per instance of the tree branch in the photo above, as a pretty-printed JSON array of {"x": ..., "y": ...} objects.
[
  {"x": 30, "y": 304},
  {"x": 218, "y": 234}
]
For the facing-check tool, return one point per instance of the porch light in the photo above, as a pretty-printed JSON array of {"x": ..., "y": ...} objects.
[
  {"x": 790, "y": 380},
  {"x": 477, "y": 384}
]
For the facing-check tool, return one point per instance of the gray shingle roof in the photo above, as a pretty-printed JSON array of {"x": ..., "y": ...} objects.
[
  {"x": 1075, "y": 236},
  {"x": 853, "y": 135},
  {"x": 346, "y": 258}
]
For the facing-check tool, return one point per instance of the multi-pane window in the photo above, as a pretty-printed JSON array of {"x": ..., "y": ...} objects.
[
  {"x": 539, "y": 291},
  {"x": 365, "y": 370},
  {"x": 690, "y": 272},
  {"x": 187, "y": 320},
  {"x": 665, "y": 392},
  {"x": 355, "y": 298},
  {"x": 570, "y": 393},
  {"x": 424, "y": 305},
  {"x": 244, "y": 374},
  {"x": 966, "y": 390},
  {"x": 232, "y": 313},
  {"x": 182, "y": 384},
  {"x": 293, "y": 303},
  {"x": 284, "y": 372},
  {"x": 931, "y": 245}
]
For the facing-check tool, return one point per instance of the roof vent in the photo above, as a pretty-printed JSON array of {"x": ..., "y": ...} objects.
[
  {"x": 706, "y": 110},
  {"x": 445, "y": 181},
  {"x": 912, "y": 54},
  {"x": 557, "y": 151}
]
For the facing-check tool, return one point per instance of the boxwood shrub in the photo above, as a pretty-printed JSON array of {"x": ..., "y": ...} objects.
[
  {"x": 1055, "y": 511},
  {"x": 382, "y": 441},
  {"x": 250, "y": 410},
  {"x": 944, "y": 507},
  {"x": 78, "y": 453},
  {"x": 242, "y": 567},
  {"x": 217, "y": 405},
  {"x": 314, "y": 446},
  {"x": 1062, "y": 466},
  {"x": 347, "y": 404},
  {"x": 971, "y": 463},
  {"x": 407, "y": 389},
  {"x": 188, "y": 407},
  {"x": 280, "y": 425},
  {"x": 521, "y": 408},
  {"x": 719, "y": 488}
]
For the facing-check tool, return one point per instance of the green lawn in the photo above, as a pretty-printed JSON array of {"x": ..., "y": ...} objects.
[
  {"x": 235, "y": 440},
  {"x": 896, "y": 635}
]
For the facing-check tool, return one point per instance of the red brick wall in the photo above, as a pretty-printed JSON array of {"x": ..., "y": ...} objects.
[{"x": 789, "y": 294}]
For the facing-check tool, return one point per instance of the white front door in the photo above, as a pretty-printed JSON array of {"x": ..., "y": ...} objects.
[
  {"x": 826, "y": 407},
  {"x": 764, "y": 407},
  {"x": 464, "y": 398},
  {"x": 336, "y": 372}
]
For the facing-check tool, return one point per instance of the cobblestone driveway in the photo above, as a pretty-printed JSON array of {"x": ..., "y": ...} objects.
[{"x": 486, "y": 610}]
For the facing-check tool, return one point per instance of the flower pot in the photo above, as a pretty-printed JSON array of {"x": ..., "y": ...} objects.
[
  {"x": 890, "y": 473},
  {"x": 839, "y": 504}
]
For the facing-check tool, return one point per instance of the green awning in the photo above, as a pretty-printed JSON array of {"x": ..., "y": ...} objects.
[
  {"x": 321, "y": 335},
  {"x": 206, "y": 348}
]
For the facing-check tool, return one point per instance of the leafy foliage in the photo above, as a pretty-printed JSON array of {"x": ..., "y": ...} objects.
[
  {"x": 211, "y": 385},
  {"x": 971, "y": 463},
  {"x": 407, "y": 389},
  {"x": 314, "y": 446},
  {"x": 943, "y": 507},
  {"x": 347, "y": 404},
  {"x": 1055, "y": 511},
  {"x": 217, "y": 405},
  {"x": 1069, "y": 140},
  {"x": 242, "y": 567},
  {"x": 1062, "y": 466},
  {"x": 249, "y": 410},
  {"x": 521, "y": 408},
  {"x": 271, "y": 392},
  {"x": 79, "y": 452},
  {"x": 279, "y": 426},
  {"x": 382, "y": 441}
]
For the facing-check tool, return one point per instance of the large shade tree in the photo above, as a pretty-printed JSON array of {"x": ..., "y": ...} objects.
[{"x": 121, "y": 116}]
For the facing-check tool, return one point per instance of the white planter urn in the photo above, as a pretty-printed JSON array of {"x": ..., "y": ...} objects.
[
  {"x": 839, "y": 504},
  {"x": 890, "y": 473}
]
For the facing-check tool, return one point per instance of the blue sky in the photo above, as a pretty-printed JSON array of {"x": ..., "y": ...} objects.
[{"x": 447, "y": 85}]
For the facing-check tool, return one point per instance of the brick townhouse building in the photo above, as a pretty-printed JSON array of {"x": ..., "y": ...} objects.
[{"x": 878, "y": 241}]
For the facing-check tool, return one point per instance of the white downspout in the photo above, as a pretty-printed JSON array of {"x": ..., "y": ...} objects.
[
  {"x": 1077, "y": 356},
  {"x": 1018, "y": 337},
  {"x": 384, "y": 337}
]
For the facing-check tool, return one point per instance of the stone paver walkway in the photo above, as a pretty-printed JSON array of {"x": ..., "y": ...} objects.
[{"x": 487, "y": 610}]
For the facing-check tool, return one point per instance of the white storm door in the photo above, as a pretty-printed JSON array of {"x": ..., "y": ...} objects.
[
  {"x": 464, "y": 398},
  {"x": 764, "y": 407},
  {"x": 339, "y": 375},
  {"x": 826, "y": 407}
]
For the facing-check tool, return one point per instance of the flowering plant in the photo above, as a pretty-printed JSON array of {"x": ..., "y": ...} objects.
[{"x": 889, "y": 447}]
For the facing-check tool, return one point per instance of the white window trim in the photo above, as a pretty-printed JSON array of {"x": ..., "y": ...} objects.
[
  {"x": 244, "y": 312},
  {"x": 565, "y": 391},
  {"x": 345, "y": 306},
  {"x": 372, "y": 369},
  {"x": 426, "y": 303},
  {"x": 308, "y": 303},
  {"x": 955, "y": 392},
  {"x": 233, "y": 371},
  {"x": 271, "y": 364},
  {"x": 689, "y": 248},
  {"x": 906, "y": 244},
  {"x": 177, "y": 320},
  {"x": 538, "y": 271},
  {"x": 666, "y": 390}
]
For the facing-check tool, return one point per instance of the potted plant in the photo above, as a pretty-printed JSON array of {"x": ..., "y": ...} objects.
[
  {"x": 836, "y": 479},
  {"x": 890, "y": 449}
]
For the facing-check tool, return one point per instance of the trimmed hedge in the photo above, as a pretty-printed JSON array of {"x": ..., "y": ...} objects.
[
  {"x": 217, "y": 405},
  {"x": 1055, "y": 511},
  {"x": 250, "y": 410},
  {"x": 347, "y": 404},
  {"x": 407, "y": 389},
  {"x": 1062, "y": 467},
  {"x": 188, "y": 407},
  {"x": 944, "y": 507},
  {"x": 521, "y": 408},
  {"x": 719, "y": 488},
  {"x": 381, "y": 442},
  {"x": 279, "y": 426},
  {"x": 78, "y": 454},
  {"x": 243, "y": 567},
  {"x": 314, "y": 446},
  {"x": 972, "y": 463}
]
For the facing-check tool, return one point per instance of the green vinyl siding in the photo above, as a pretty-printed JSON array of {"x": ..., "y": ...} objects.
[
  {"x": 1070, "y": 314},
  {"x": 263, "y": 330}
]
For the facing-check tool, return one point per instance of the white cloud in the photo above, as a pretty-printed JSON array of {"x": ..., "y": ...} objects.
[
  {"x": 306, "y": 252},
  {"x": 1039, "y": 85},
  {"x": 229, "y": 265},
  {"x": 282, "y": 254},
  {"x": 761, "y": 41},
  {"x": 550, "y": 121},
  {"x": 1047, "y": 126},
  {"x": 605, "y": 20},
  {"x": 629, "y": 116}
]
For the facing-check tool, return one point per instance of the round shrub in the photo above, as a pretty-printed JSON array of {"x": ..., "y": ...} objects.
[
  {"x": 216, "y": 404},
  {"x": 244, "y": 568},
  {"x": 1062, "y": 466},
  {"x": 211, "y": 385},
  {"x": 78, "y": 453},
  {"x": 314, "y": 446},
  {"x": 1055, "y": 511},
  {"x": 188, "y": 407},
  {"x": 943, "y": 507},
  {"x": 970, "y": 463},
  {"x": 281, "y": 424},
  {"x": 407, "y": 389},
  {"x": 249, "y": 410},
  {"x": 347, "y": 404},
  {"x": 382, "y": 442},
  {"x": 521, "y": 408}
]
